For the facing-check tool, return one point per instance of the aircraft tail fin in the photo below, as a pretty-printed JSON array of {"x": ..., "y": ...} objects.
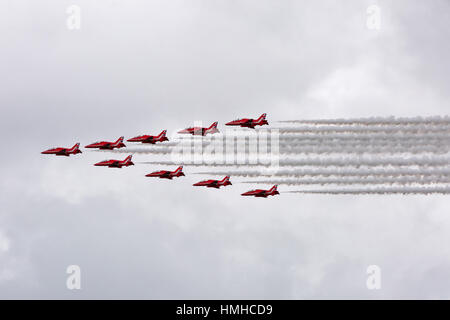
[
  {"x": 75, "y": 147},
  {"x": 227, "y": 178},
  {"x": 119, "y": 141},
  {"x": 212, "y": 128},
  {"x": 214, "y": 125},
  {"x": 274, "y": 188},
  {"x": 162, "y": 134},
  {"x": 261, "y": 120},
  {"x": 179, "y": 169},
  {"x": 262, "y": 117}
]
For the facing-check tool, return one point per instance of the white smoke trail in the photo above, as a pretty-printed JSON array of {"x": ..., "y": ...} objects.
[
  {"x": 359, "y": 144},
  {"x": 304, "y": 150},
  {"x": 337, "y": 161},
  {"x": 299, "y": 148},
  {"x": 366, "y": 149},
  {"x": 142, "y": 150},
  {"x": 357, "y": 130},
  {"x": 366, "y": 140},
  {"x": 368, "y": 161},
  {"x": 341, "y": 138},
  {"x": 389, "y": 190},
  {"x": 434, "y": 120},
  {"x": 327, "y": 172},
  {"x": 314, "y": 141},
  {"x": 343, "y": 135},
  {"x": 402, "y": 180}
]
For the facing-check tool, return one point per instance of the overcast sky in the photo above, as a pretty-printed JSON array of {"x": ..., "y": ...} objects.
[{"x": 142, "y": 66}]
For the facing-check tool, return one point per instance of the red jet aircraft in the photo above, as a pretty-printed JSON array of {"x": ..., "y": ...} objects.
[
  {"x": 214, "y": 183},
  {"x": 249, "y": 123},
  {"x": 107, "y": 145},
  {"x": 262, "y": 193},
  {"x": 116, "y": 163},
  {"x": 200, "y": 130},
  {"x": 150, "y": 139},
  {"x": 164, "y": 174},
  {"x": 63, "y": 151}
]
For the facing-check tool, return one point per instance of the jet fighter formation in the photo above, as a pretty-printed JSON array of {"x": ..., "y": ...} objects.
[{"x": 167, "y": 174}]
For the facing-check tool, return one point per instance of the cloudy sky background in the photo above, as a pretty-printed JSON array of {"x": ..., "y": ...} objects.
[{"x": 141, "y": 66}]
